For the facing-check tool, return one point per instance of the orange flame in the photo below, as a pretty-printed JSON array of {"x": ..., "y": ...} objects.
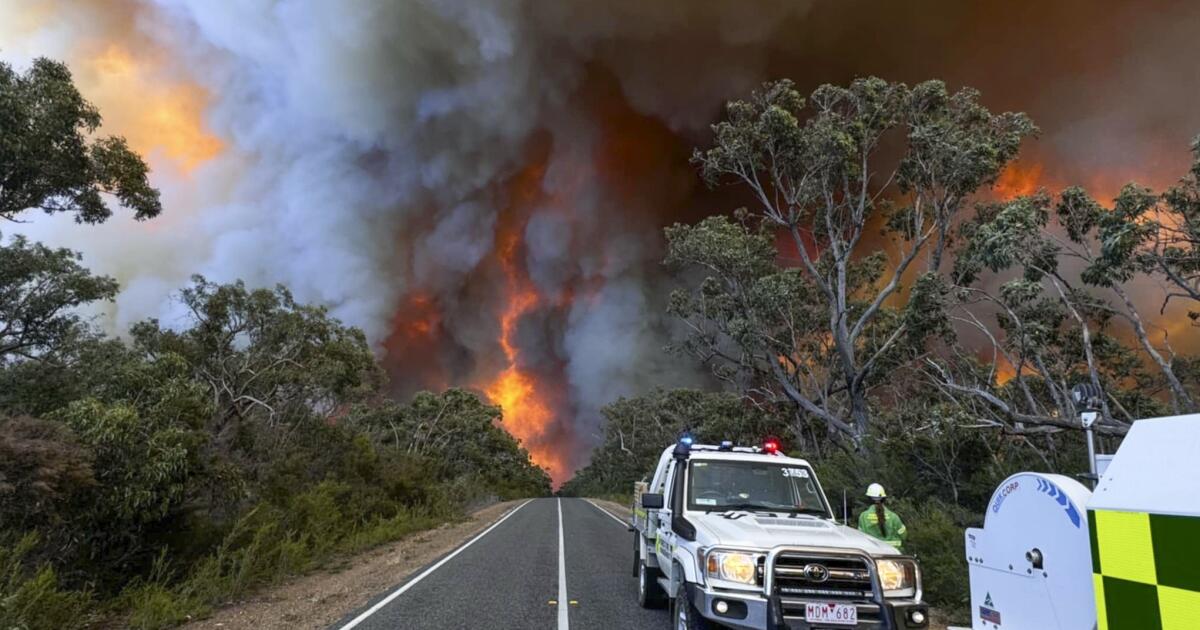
[
  {"x": 153, "y": 114},
  {"x": 1018, "y": 179},
  {"x": 416, "y": 332},
  {"x": 527, "y": 414}
]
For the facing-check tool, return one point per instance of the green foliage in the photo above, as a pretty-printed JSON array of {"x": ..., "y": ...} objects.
[
  {"x": 270, "y": 542},
  {"x": 248, "y": 441},
  {"x": 192, "y": 465},
  {"x": 1175, "y": 251},
  {"x": 259, "y": 353},
  {"x": 46, "y": 158},
  {"x": 39, "y": 289},
  {"x": 806, "y": 324},
  {"x": 638, "y": 429},
  {"x": 459, "y": 436},
  {"x": 32, "y": 599},
  {"x": 154, "y": 606},
  {"x": 1059, "y": 326},
  {"x": 932, "y": 525},
  {"x": 141, "y": 463}
]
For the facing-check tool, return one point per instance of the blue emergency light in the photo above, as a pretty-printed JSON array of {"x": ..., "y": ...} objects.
[{"x": 684, "y": 447}]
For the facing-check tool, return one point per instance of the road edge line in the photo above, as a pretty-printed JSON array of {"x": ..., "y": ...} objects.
[
  {"x": 424, "y": 574},
  {"x": 608, "y": 514},
  {"x": 563, "y": 621}
]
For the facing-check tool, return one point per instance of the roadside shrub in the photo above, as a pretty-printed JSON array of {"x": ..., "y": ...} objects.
[
  {"x": 32, "y": 599},
  {"x": 935, "y": 537},
  {"x": 269, "y": 543},
  {"x": 45, "y": 477},
  {"x": 154, "y": 606},
  {"x": 183, "y": 468}
]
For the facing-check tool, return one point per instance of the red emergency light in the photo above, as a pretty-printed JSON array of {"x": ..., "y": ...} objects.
[{"x": 771, "y": 446}]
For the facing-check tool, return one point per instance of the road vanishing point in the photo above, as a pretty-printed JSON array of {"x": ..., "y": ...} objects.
[{"x": 546, "y": 564}]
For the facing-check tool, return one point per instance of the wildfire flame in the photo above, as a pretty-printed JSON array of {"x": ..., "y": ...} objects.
[
  {"x": 152, "y": 114},
  {"x": 1018, "y": 179},
  {"x": 527, "y": 414}
]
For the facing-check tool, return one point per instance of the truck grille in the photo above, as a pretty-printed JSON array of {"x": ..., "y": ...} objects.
[{"x": 826, "y": 578}]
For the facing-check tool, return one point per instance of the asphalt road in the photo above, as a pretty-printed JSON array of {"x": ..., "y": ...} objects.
[{"x": 515, "y": 574}]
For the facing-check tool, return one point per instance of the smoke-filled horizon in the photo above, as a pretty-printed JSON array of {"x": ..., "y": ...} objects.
[{"x": 479, "y": 185}]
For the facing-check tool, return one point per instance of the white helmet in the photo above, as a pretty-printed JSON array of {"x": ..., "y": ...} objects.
[{"x": 876, "y": 491}]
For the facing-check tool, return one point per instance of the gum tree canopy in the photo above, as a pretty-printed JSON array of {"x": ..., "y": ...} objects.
[
  {"x": 863, "y": 184},
  {"x": 48, "y": 160}
]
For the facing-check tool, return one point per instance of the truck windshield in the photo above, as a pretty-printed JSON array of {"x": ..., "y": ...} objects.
[{"x": 754, "y": 485}]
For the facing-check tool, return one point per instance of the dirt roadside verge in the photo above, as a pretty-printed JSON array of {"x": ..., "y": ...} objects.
[
  {"x": 616, "y": 509},
  {"x": 318, "y": 599}
]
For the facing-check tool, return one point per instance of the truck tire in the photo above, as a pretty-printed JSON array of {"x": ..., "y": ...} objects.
[
  {"x": 684, "y": 615},
  {"x": 650, "y": 594}
]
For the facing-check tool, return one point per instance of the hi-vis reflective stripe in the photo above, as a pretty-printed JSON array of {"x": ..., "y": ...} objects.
[{"x": 1145, "y": 570}]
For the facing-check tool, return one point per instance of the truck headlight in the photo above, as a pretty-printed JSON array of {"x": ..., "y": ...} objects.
[
  {"x": 733, "y": 566},
  {"x": 897, "y": 577}
]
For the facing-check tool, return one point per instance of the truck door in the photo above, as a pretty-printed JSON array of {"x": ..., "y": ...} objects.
[{"x": 664, "y": 542}]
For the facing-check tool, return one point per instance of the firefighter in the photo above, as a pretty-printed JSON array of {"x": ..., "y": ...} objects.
[{"x": 880, "y": 522}]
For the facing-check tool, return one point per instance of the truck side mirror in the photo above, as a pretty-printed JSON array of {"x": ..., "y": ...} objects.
[{"x": 652, "y": 501}]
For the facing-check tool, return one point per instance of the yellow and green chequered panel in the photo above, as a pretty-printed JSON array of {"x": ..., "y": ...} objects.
[
  {"x": 1132, "y": 605},
  {"x": 1098, "y": 587},
  {"x": 1146, "y": 570},
  {"x": 1178, "y": 608},
  {"x": 1177, "y": 551},
  {"x": 1126, "y": 548}
]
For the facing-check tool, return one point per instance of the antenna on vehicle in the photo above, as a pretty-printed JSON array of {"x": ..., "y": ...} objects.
[{"x": 845, "y": 509}]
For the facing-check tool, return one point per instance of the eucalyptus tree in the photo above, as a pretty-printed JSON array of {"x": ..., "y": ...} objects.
[
  {"x": 49, "y": 160},
  {"x": 863, "y": 183},
  {"x": 1075, "y": 302},
  {"x": 41, "y": 290}
]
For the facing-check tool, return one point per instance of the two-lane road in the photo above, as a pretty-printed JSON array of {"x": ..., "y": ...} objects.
[{"x": 548, "y": 563}]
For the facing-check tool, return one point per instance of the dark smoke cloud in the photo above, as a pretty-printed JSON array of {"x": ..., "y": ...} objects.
[{"x": 372, "y": 146}]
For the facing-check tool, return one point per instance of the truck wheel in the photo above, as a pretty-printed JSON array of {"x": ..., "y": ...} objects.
[
  {"x": 650, "y": 594},
  {"x": 684, "y": 615}
]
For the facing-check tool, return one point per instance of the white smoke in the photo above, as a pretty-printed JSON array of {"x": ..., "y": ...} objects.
[{"x": 366, "y": 141}]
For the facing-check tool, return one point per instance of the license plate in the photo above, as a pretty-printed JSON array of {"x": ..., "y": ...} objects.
[{"x": 834, "y": 614}]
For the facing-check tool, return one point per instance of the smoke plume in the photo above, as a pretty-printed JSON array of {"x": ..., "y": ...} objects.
[{"x": 478, "y": 184}]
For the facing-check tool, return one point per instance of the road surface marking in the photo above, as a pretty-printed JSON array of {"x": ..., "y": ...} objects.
[
  {"x": 424, "y": 574},
  {"x": 608, "y": 514},
  {"x": 562, "y": 575}
]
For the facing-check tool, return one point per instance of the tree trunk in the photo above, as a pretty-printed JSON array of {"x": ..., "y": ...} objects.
[
  {"x": 1179, "y": 396},
  {"x": 859, "y": 417}
]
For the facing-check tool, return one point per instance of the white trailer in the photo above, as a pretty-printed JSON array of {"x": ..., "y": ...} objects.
[{"x": 1053, "y": 555}]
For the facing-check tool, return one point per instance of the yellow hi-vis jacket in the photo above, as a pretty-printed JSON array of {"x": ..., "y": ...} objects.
[{"x": 868, "y": 522}]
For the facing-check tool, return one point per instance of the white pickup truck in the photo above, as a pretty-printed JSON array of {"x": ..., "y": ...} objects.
[{"x": 743, "y": 537}]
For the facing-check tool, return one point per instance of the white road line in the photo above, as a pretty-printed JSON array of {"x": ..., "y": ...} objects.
[
  {"x": 562, "y": 575},
  {"x": 608, "y": 514},
  {"x": 424, "y": 574}
]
